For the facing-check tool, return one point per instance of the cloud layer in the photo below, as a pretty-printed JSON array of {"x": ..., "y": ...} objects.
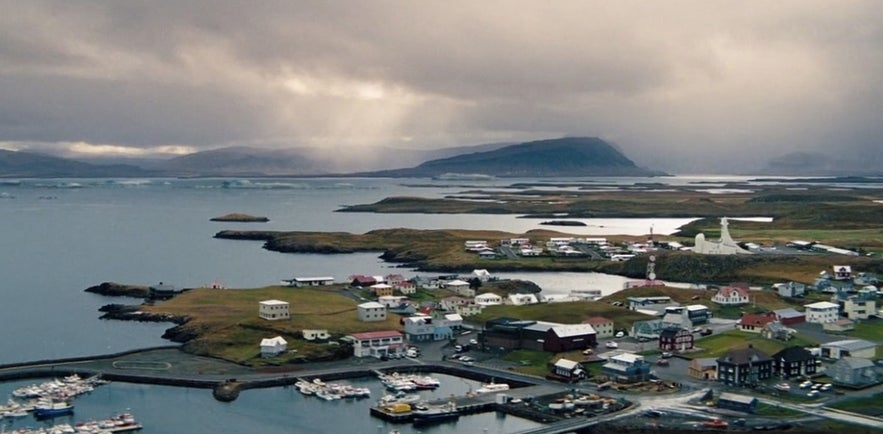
[{"x": 684, "y": 86}]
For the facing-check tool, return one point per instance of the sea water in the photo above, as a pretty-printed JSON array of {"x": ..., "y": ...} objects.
[{"x": 62, "y": 236}]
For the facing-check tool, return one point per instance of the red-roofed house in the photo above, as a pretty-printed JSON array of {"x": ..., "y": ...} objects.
[
  {"x": 377, "y": 344},
  {"x": 754, "y": 322},
  {"x": 363, "y": 281},
  {"x": 603, "y": 326},
  {"x": 731, "y": 296}
]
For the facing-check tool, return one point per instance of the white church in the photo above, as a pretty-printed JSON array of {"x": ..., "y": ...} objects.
[{"x": 726, "y": 245}]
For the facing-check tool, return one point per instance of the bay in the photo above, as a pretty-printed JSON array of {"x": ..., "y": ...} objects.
[{"x": 62, "y": 236}]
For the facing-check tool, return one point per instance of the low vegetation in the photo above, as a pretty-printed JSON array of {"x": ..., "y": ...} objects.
[
  {"x": 868, "y": 405},
  {"x": 720, "y": 344}
]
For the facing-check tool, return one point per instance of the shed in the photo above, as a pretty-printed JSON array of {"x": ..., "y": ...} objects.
[
  {"x": 732, "y": 401},
  {"x": 568, "y": 369}
]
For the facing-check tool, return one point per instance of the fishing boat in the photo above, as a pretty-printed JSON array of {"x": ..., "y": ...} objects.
[
  {"x": 49, "y": 409},
  {"x": 437, "y": 414},
  {"x": 121, "y": 423},
  {"x": 492, "y": 388}
]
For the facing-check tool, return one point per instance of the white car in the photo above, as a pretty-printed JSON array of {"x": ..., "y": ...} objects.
[
  {"x": 611, "y": 345},
  {"x": 473, "y": 342},
  {"x": 620, "y": 334}
]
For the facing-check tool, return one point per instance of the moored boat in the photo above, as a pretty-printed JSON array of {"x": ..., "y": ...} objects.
[
  {"x": 49, "y": 409},
  {"x": 431, "y": 415},
  {"x": 492, "y": 388}
]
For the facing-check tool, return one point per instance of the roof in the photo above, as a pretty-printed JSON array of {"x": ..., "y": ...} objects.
[
  {"x": 376, "y": 335},
  {"x": 488, "y": 295},
  {"x": 311, "y": 279},
  {"x": 706, "y": 362},
  {"x": 597, "y": 320},
  {"x": 788, "y": 313},
  {"x": 570, "y": 330},
  {"x": 371, "y": 305},
  {"x": 822, "y": 305},
  {"x": 856, "y": 362},
  {"x": 732, "y": 397},
  {"x": 697, "y": 307},
  {"x": 728, "y": 291},
  {"x": 629, "y": 358},
  {"x": 273, "y": 302},
  {"x": 757, "y": 319},
  {"x": 744, "y": 356},
  {"x": 457, "y": 282},
  {"x": 794, "y": 354},
  {"x": 272, "y": 342},
  {"x": 566, "y": 364},
  {"x": 670, "y": 332},
  {"x": 454, "y": 317},
  {"x": 851, "y": 344},
  {"x": 381, "y": 286}
]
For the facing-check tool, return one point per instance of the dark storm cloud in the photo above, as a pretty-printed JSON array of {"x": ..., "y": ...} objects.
[{"x": 687, "y": 85}]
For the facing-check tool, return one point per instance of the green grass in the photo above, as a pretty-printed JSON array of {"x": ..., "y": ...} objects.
[
  {"x": 775, "y": 411},
  {"x": 531, "y": 362},
  {"x": 869, "y": 405},
  {"x": 566, "y": 313},
  {"x": 720, "y": 344},
  {"x": 871, "y": 330}
]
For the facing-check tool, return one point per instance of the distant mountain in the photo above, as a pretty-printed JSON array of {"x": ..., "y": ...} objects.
[
  {"x": 18, "y": 164},
  {"x": 570, "y": 156},
  {"x": 244, "y": 161}
]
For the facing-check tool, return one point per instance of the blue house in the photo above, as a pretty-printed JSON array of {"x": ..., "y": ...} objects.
[{"x": 626, "y": 368}]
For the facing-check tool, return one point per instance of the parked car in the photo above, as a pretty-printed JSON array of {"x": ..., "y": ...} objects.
[
  {"x": 705, "y": 332},
  {"x": 662, "y": 362},
  {"x": 666, "y": 354},
  {"x": 473, "y": 342},
  {"x": 588, "y": 351},
  {"x": 611, "y": 345},
  {"x": 619, "y": 334}
]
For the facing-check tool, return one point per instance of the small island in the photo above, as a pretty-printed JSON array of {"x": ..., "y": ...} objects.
[
  {"x": 240, "y": 218},
  {"x": 563, "y": 223}
]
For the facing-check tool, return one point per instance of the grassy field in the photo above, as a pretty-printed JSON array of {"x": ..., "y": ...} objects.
[
  {"x": 719, "y": 344},
  {"x": 870, "y": 405},
  {"x": 567, "y": 313},
  {"x": 775, "y": 411},
  {"x": 871, "y": 330},
  {"x": 227, "y": 323}
]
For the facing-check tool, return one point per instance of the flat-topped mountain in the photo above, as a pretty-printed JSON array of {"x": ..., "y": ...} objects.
[
  {"x": 569, "y": 156},
  {"x": 19, "y": 164}
]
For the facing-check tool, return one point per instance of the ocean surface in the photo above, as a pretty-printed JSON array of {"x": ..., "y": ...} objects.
[{"x": 62, "y": 236}]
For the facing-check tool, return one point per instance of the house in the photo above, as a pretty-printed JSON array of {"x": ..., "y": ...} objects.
[
  {"x": 732, "y": 401},
  {"x": 361, "y": 281},
  {"x": 419, "y": 328},
  {"x": 790, "y": 289},
  {"x": 567, "y": 337},
  {"x": 649, "y": 329},
  {"x": 390, "y": 301},
  {"x": 822, "y": 312},
  {"x": 460, "y": 287},
  {"x": 394, "y": 279},
  {"x": 453, "y": 320},
  {"x": 568, "y": 369},
  {"x": 703, "y": 368},
  {"x": 471, "y": 309},
  {"x": 522, "y": 299},
  {"x": 371, "y": 311},
  {"x": 299, "y": 282},
  {"x": 849, "y": 348},
  {"x": 381, "y": 289},
  {"x": 316, "y": 335},
  {"x": 744, "y": 367},
  {"x": 488, "y": 298},
  {"x": 274, "y": 310},
  {"x": 794, "y": 362},
  {"x": 854, "y": 372},
  {"x": 482, "y": 274},
  {"x": 789, "y": 316},
  {"x": 603, "y": 326},
  {"x": 273, "y": 347},
  {"x": 450, "y": 303},
  {"x": 754, "y": 323},
  {"x": 842, "y": 272},
  {"x": 655, "y": 303},
  {"x": 675, "y": 339},
  {"x": 840, "y": 326},
  {"x": 776, "y": 330},
  {"x": 859, "y": 307},
  {"x": 377, "y": 344},
  {"x": 626, "y": 368},
  {"x": 731, "y": 296},
  {"x": 406, "y": 288},
  {"x": 677, "y": 320}
]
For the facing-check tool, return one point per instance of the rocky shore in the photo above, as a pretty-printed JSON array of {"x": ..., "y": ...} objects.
[{"x": 113, "y": 289}]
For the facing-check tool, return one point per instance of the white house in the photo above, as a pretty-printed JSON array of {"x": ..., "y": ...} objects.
[
  {"x": 859, "y": 307},
  {"x": 790, "y": 289},
  {"x": 317, "y": 334},
  {"x": 274, "y": 310},
  {"x": 309, "y": 281},
  {"x": 460, "y": 287},
  {"x": 273, "y": 347},
  {"x": 377, "y": 344},
  {"x": 453, "y": 320},
  {"x": 731, "y": 296},
  {"x": 603, "y": 326},
  {"x": 391, "y": 300},
  {"x": 481, "y": 274},
  {"x": 371, "y": 311},
  {"x": 822, "y": 312},
  {"x": 470, "y": 309},
  {"x": 522, "y": 299},
  {"x": 842, "y": 272},
  {"x": 488, "y": 298}
]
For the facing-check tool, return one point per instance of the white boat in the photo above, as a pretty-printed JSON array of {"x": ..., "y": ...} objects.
[{"x": 492, "y": 388}]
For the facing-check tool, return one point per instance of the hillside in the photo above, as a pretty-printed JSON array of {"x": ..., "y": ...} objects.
[
  {"x": 18, "y": 164},
  {"x": 571, "y": 156}
]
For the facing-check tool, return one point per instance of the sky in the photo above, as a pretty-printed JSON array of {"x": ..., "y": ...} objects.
[{"x": 684, "y": 86}]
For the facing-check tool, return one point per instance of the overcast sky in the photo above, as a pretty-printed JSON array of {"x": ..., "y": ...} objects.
[{"x": 678, "y": 85}]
